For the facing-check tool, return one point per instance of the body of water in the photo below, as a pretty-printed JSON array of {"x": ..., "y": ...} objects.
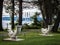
[{"x": 6, "y": 20}]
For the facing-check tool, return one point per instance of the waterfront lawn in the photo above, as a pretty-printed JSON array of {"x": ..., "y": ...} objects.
[{"x": 33, "y": 38}]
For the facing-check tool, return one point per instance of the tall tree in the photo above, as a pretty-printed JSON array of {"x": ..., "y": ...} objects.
[
  {"x": 49, "y": 9},
  {"x": 20, "y": 12},
  {"x": 57, "y": 21},
  {"x": 46, "y": 9},
  {"x": 41, "y": 5},
  {"x": 12, "y": 16},
  {"x": 1, "y": 8},
  {"x": 56, "y": 24}
]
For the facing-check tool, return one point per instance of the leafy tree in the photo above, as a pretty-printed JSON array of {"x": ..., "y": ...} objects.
[
  {"x": 50, "y": 8},
  {"x": 10, "y": 9},
  {"x": 36, "y": 23},
  {"x": 34, "y": 18},
  {"x": 57, "y": 20}
]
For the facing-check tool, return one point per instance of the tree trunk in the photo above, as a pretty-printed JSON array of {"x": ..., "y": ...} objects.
[
  {"x": 41, "y": 4},
  {"x": 55, "y": 27},
  {"x": 56, "y": 24},
  {"x": 20, "y": 12},
  {"x": 46, "y": 9},
  {"x": 1, "y": 9},
  {"x": 12, "y": 16}
]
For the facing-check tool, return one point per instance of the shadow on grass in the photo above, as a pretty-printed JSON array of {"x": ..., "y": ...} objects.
[{"x": 58, "y": 32}]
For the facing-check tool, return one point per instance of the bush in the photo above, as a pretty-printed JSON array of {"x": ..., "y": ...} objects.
[
  {"x": 5, "y": 30},
  {"x": 32, "y": 26},
  {"x": 26, "y": 26}
]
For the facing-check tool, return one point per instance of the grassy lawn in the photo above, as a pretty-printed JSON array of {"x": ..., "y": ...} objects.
[{"x": 33, "y": 38}]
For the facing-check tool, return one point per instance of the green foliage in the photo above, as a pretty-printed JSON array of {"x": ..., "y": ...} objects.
[
  {"x": 26, "y": 26},
  {"x": 35, "y": 25},
  {"x": 5, "y": 30}
]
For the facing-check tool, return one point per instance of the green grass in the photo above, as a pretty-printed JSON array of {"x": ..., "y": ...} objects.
[{"x": 33, "y": 38}]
